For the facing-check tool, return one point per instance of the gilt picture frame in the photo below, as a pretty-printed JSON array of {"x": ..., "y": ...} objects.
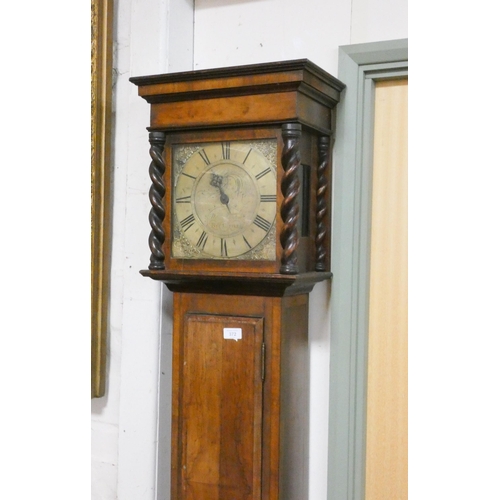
[{"x": 101, "y": 102}]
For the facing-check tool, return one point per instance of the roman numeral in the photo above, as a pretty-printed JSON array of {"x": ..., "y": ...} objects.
[
  {"x": 248, "y": 154},
  {"x": 184, "y": 199},
  {"x": 226, "y": 150},
  {"x": 246, "y": 241},
  {"x": 202, "y": 241},
  {"x": 264, "y": 172},
  {"x": 187, "y": 222},
  {"x": 223, "y": 248},
  {"x": 204, "y": 156},
  {"x": 265, "y": 198},
  {"x": 264, "y": 224}
]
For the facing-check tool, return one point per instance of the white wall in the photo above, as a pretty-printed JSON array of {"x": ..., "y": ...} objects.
[
  {"x": 157, "y": 36},
  {"x": 242, "y": 32}
]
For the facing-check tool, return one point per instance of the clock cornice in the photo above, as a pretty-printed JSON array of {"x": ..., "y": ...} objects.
[{"x": 268, "y": 77}]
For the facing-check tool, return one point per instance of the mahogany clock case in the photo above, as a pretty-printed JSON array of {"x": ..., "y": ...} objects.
[
  {"x": 307, "y": 203},
  {"x": 290, "y": 102},
  {"x": 240, "y": 407},
  {"x": 240, "y": 415}
]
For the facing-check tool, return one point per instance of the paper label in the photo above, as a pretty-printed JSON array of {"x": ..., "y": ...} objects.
[{"x": 233, "y": 334}]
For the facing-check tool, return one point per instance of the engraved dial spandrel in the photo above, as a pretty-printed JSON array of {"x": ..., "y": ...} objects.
[{"x": 224, "y": 200}]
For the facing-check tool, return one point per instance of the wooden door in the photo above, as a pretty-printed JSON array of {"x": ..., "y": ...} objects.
[
  {"x": 220, "y": 409},
  {"x": 387, "y": 401}
]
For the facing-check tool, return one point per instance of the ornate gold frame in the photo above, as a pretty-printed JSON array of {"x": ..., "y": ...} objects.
[{"x": 101, "y": 74}]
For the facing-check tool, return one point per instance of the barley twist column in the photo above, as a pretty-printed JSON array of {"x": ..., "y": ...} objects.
[
  {"x": 156, "y": 197},
  {"x": 290, "y": 187},
  {"x": 321, "y": 203}
]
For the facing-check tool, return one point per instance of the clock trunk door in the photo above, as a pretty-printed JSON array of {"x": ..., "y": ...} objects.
[{"x": 220, "y": 427}]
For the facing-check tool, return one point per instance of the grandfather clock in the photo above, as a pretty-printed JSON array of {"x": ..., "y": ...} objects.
[{"x": 240, "y": 233}]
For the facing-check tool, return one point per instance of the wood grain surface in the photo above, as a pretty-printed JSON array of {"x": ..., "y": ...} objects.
[{"x": 387, "y": 405}]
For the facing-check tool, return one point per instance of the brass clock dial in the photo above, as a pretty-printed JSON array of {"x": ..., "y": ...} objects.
[{"x": 224, "y": 200}]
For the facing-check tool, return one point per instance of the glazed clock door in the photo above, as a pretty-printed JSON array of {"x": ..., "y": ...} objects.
[{"x": 220, "y": 408}]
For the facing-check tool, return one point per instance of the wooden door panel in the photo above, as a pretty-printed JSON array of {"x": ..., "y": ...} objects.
[
  {"x": 221, "y": 416},
  {"x": 387, "y": 389}
]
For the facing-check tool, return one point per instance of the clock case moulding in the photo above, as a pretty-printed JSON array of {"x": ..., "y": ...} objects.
[{"x": 291, "y": 101}]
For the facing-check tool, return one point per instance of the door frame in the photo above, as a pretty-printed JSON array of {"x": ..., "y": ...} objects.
[{"x": 360, "y": 67}]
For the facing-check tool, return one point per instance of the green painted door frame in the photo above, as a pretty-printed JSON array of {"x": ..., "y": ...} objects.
[{"x": 360, "y": 66}]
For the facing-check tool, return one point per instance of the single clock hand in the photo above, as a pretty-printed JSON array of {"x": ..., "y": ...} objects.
[{"x": 216, "y": 181}]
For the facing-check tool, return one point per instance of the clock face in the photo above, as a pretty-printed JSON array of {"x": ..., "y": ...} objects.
[{"x": 224, "y": 200}]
